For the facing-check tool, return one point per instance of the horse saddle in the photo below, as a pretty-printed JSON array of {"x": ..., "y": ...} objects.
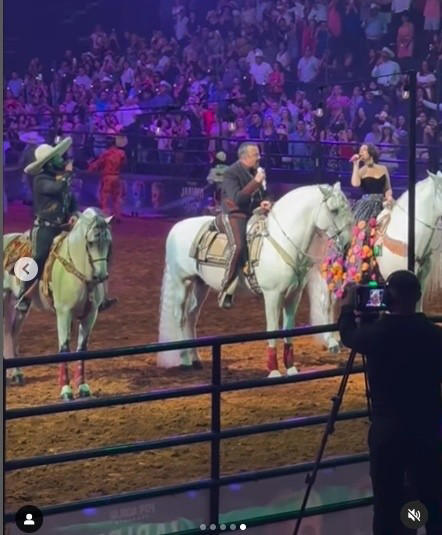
[
  {"x": 20, "y": 247},
  {"x": 211, "y": 247}
]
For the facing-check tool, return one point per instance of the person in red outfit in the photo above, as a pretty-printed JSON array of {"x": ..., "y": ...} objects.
[{"x": 110, "y": 164}]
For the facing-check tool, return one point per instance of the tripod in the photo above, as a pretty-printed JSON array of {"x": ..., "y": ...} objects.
[{"x": 330, "y": 427}]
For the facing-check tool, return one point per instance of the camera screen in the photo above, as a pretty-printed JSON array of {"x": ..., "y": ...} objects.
[{"x": 375, "y": 298}]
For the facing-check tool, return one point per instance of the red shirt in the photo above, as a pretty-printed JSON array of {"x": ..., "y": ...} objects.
[{"x": 110, "y": 162}]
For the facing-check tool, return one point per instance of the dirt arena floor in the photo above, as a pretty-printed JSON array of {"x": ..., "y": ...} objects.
[{"x": 135, "y": 280}]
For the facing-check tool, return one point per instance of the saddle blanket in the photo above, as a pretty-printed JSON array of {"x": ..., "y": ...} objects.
[
  {"x": 20, "y": 247},
  {"x": 211, "y": 248}
]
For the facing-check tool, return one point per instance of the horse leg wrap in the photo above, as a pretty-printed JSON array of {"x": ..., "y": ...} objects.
[
  {"x": 272, "y": 359},
  {"x": 63, "y": 374},
  {"x": 79, "y": 374},
  {"x": 289, "y": 358}
]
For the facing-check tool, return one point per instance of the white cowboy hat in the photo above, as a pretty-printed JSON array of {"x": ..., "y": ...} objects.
[
  {"x": 31, "y": 138},
  {"x": 388, "y": 52},
  {"x": 44, "y": 153}
]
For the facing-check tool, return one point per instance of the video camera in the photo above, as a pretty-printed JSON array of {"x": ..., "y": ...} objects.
[{"x": 370, "y": 298}]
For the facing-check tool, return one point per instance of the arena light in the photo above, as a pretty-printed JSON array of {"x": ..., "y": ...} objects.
[
  {"x": 406, "y": 92},
  {"x": 319, "y": 112}
]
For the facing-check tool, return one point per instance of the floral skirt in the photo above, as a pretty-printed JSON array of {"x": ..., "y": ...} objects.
[{"x": 359, "y": 263}]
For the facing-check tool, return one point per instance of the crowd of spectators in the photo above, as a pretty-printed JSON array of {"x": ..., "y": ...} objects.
[{"x": 248, "y": 70}]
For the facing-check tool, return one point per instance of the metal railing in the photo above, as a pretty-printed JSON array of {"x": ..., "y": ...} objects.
[{"x": 214, "y": 436}]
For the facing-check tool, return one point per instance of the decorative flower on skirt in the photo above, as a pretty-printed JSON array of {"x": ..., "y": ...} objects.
[
  {"x": 365, "y": 266},
  {"x": 361, "y": 236},
  {"x": 372, "y": 222},
  {"x": 361, "y": 225}
]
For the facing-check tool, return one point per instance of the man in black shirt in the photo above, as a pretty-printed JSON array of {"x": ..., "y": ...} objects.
[
  {"x": 404, "y": 365},
  {"x": 242, "y": 191}
]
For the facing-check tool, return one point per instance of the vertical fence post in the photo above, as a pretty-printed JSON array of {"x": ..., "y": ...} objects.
[
  {"x": 412, "y": 172},
  {"x": 216, "y": 428}
]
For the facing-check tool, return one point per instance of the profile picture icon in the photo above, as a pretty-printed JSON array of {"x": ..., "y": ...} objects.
[{"x": 29, "y": 519}]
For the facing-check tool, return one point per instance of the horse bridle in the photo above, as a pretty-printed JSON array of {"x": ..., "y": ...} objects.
[{"x": 72, "y": 269}]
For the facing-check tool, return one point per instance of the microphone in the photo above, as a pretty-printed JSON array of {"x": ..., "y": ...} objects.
[{"x": 264, "y": 182}]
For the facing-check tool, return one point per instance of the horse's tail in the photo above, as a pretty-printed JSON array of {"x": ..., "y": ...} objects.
[
  {"x": 169, "y": 329},
  {"x": 433, "y": 286}
]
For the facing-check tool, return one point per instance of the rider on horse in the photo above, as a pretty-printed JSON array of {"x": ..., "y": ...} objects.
[
  {"x": 54, "y": 205},
  {"x": 243, "y": 190}
]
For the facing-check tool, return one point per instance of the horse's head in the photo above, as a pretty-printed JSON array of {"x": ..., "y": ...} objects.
[
  {"x": 437, "y": 180},
  {"x": 98, "y": 238},
  {"x": 335, "y": 218}
]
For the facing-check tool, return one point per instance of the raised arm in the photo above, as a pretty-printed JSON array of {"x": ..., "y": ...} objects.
[{"x": 356, "y": 174}]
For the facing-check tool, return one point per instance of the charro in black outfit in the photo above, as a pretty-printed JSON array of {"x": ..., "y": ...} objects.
[
  {"x": 240, "y": 195},
  {"x": 53, "y": 206}
]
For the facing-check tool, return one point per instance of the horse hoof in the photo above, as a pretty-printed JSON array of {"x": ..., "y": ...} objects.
[
  {"x": 84, "y": 391},
  {"x": 273, "y": 374},
  {"x": 293, "y": 370},
  {"x": 18, "y": 380},
  {"x": 334, "y": 348},
  {"x": 197, "y": 365},
  {"x": 66, "y": 393}
]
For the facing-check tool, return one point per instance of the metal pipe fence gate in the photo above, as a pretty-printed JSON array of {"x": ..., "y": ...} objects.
[{"x": 214, "y": 436}]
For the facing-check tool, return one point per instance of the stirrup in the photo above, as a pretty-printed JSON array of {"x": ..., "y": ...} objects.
[{"x": 23, "y": 303}]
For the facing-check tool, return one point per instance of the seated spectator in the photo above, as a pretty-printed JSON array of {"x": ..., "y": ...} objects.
[
  {"x": 361, "y": 125},
  {"x": 254, "y": 129},
  {"x": 387, "y": 71},
  {"x": 374, "y": 135},
  {"x": 388, "y": 147},
  {"x": 426, "y": 80}
]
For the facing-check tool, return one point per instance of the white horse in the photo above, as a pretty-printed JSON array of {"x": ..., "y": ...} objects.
[
  {"x": 77, "y": 276},
  {"x": 285, "y": 260},
  {"x": 428, "y": 242}
]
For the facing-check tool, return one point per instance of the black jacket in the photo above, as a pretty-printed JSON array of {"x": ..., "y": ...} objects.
[
  {"x": 241, "y": 194},
  {"x": 404, "y": 364},
  {"x": 53, "y": 200}
]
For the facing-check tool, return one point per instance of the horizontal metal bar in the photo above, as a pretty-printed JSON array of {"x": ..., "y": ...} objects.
[
  {"x": 298, "y": 378},
  {"x": 117, "y": 499},
  {"x": 198, "y": 485},
  {"x": 118, "y": 449},
  {"x": 309, "y": 512},
  {"x": 83, "y": 404},
  {"x": 167, "y": 346},
  {"x": 293, "y": 423},
  {"x": 268, "y": 473},
  {"x": 122, "y": 449}
]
